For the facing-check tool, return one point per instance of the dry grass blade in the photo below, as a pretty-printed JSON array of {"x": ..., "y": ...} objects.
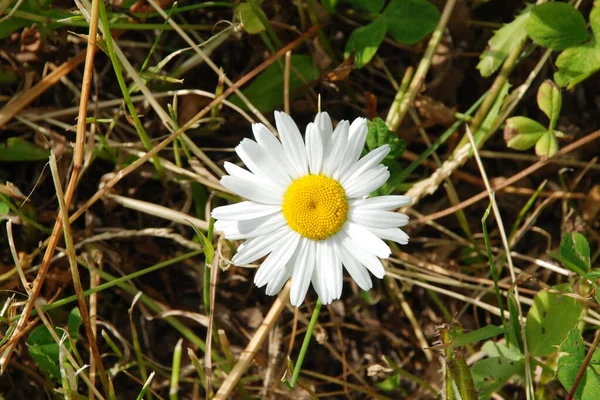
[{"x": 253, "y": 346}]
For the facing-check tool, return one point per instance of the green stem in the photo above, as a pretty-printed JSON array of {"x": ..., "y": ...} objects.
[
  {"x": 305, "y": 343},
  {"x": 126, "y": 96}
]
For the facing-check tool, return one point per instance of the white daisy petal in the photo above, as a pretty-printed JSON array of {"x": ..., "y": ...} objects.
[
  {"x": 263, "y": 165},
  {"x": 394, "y": 234},
  {"x": 354, "y": 146},
  {"x": 314, "y": 148},
  {"x": 332, "y": 267},
  {"x": 241, "y": 173},
  {"x": 277, "y": 260},
  {"x": 383, "y": 203},
  {"x": 365, "y": 164},
  {"x": 254, "y": 227},
  {"x": 336, "y": 150},
  {"x": 378, "y": 219},
  {"x": 357, "y": 271},
  {"x": 272, "y": 146},
  {"x": 365, "y": 257},
  {"x": 292, "y": 143},
  {"x": 367, "y": 240},
  {"x": 255, "y": 248},
  {"x": 275, "y": 285},
  {"x": 244, "y": 210},
  {"x": 367, "y": 183},
  {"x": 323, "y": 121},
  {"x": 252, "y": 190},
  {"x": 302, "y": 272}
]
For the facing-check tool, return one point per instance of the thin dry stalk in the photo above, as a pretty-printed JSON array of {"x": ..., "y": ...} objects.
[
  {"x": 77, "y": 162},
  {"x": 255, "y": 343},
  {"x": 510, "y": 181},
  {"x": 83, "y": 308},
  {"x": 511, "y": 268}
]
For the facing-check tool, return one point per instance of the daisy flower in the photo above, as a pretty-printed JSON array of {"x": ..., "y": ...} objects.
[{"x": 308, "y": 209}]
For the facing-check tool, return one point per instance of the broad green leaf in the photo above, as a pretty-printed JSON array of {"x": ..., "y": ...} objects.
[
  {"x": 379, "y": 134},
  {"x": 365, "y": 41},
  {"x": 547, "y": 146},
  {"x": 523, "y": 133},
  {"x": 490, "y": 374},
  {"x": 18, "y": 149},
  {"x": 266, "y": 91},
  {"x": 371, "y": 6},
  {"x": 576, "y": 64},
  {"x": 44, "y": 350},
  {"x": 549, "y": 101},
  {"x": 251, "y": 21},
  {"x": 556, "y": 25},
  {"x": 504, "y": 39},
  {"x": 493, "y": 349},
  {"x": 573, "y": 353},
  {"x": 408, "y": 21},
  {"x": 575, "y": 252},
  {"x": 550, "y": 319}
]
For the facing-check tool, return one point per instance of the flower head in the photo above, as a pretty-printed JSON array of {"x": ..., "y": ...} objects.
[{"x": 308, "y": 209}]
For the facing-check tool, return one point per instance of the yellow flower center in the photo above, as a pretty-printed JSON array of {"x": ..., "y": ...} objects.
[{"x": 315, "y": 206}]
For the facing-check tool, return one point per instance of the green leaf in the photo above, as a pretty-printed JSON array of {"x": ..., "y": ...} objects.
[
  {"x": 44, "y": 350},
  {"x": 477, "y": 335},
  {"x": 547, "y": 146},
  {"x": 371, "y": 6},
  {"x": 18, "y": 149},
  {"x": 523, "y": 133},
  {"x": 504, "y": 39},
  {"x": 549, "y": 100},
  {"x": 266, "y": 91},
  {"x": 207, "y": 246},
  {"x": 575, "y": 252},
  {"x": 365, "y": 41},
  {"x": 573, "y": 353},
  {"x": 576, "y": 64},
  {"x": 251, "y": 21},
  {"x": 409, "y": 21},
  {"x": 556, "y": 25},
  {"x": 390, "y": 383},
  {"x": 490, "y": 374},
  {"x": 74, "y": 323},
  {"x": 379, "y": 134},
  {"x": 515, "y": 339},
  {"x": 500, "y": 350},
  {"x": 550, "y": 319}
]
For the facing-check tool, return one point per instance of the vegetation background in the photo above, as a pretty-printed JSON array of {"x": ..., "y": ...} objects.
[{"x": 111, "y": 148}]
